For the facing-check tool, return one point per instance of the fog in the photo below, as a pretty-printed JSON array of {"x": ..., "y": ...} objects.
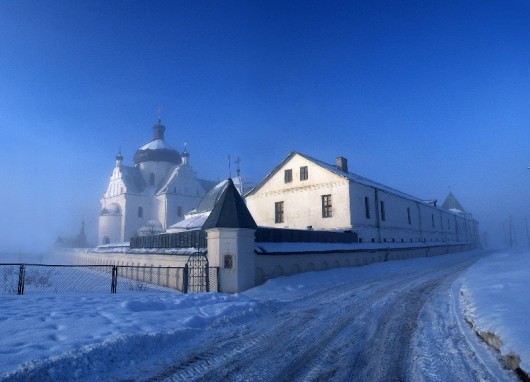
[{"x": 426, "y": 98}]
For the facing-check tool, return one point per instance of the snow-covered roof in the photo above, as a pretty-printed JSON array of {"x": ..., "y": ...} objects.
[
  {"x": 362, "y": 180},
  {"x": 347, "y": 175},
  {"x": 156, "y": 144},
  {"x": 196, "y": 218},
  {"x": 132, "y": 179},
  {"x": 191, "y": 222},
  {"x": 210, "y": 199}
]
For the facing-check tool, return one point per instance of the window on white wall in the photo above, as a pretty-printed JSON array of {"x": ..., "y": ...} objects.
[
  {"x": 288, "y": 176},
  {"x": 383, "y": 215},
  {"x": 327, "y": 208},
  {"x": 304, "y": 175},
  {"x": 278, "y": 212},
  {"x": 152, "y": 179},
  {"x": 140, "y": 212},
  {"x": 408, "y": 215}
]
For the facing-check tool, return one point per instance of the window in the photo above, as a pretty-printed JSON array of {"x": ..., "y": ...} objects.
[
  {"x": 448, "y": 225},
  {"x": 303, "y": 173},
  {"x": 327, "y": 211},
  {"x": 432, "y": 216},
  {"x": 288, "y": 176},
  {"x": 140, "y": 212},
  {"x": 367, "y": 207},
  {"x": 152, "y": 179},
  {"x": 408, "y": 215},
  {"x": 278, "y": 212},
  {"x": 179, "y": 211},
  {"x": 383, "y": 216}
]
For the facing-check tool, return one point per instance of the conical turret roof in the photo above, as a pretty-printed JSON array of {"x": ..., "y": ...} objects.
[{"x": 230, "y": 211}]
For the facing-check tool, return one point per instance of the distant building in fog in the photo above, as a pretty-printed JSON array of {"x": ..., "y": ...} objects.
[
  {"x": 151, "y": 196},
  {"x": 78, "y": 241}
]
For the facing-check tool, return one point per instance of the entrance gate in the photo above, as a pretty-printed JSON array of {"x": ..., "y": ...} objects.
[{"x": 198, "y": 274}]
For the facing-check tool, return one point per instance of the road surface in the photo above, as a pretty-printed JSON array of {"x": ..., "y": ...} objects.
[{"x": 405, "y": 327}]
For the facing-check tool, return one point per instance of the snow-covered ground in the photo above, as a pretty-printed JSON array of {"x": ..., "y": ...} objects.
[
  {"x": 495, "y": 297},
  {"x": 109, "y": 337}
]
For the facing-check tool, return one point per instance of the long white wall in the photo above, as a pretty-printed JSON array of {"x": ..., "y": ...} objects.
[{"x": 271, "y": 266}]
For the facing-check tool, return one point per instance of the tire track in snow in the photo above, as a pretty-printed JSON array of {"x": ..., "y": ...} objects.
[{"x": 366, "y": 336}]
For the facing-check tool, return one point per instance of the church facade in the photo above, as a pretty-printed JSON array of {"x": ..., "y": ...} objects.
[
  {"x": 306, "y": 193},
  {"x": 152, "y": 195}
]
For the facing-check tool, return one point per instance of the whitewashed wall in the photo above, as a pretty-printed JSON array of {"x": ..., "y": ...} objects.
[
  {"x": 302, "y": 199},
  {"x": 303, "y": 208},
  {"x": 271, "y": 266},
  {"x": 93, "y": 258}
]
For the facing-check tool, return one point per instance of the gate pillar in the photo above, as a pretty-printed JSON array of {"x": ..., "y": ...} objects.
[{"x": 232, "y": 250}]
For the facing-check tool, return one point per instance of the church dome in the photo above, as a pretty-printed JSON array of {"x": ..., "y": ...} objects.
[{"x": 157, "y": 150}]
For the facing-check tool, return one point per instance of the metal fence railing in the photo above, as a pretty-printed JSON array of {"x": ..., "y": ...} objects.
[{"x": 40, "y": 278}]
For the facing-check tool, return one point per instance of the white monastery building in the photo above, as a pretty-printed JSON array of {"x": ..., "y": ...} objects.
[
  {"x": 151, "y": 196},
  {"x": 305, "y": 193}
]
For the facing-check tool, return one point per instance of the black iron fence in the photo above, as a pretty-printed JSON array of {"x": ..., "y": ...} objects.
[
  {"x": 190, "y": 239},
  {"x": 41, "y": 278}
]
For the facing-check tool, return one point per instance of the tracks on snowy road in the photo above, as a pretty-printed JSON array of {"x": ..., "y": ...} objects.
[{"x": 404, "y": 327}]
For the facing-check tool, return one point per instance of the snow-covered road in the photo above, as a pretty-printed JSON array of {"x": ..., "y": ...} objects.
[
  {"x": 399, "y": 320},
  {"x": 403, "y": 327}
]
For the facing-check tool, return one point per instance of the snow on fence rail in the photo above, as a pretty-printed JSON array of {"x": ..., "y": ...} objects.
[{"x": 43, "y": 278}]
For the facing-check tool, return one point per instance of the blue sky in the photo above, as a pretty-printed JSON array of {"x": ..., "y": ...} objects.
[{"x": 424, "y": 96}]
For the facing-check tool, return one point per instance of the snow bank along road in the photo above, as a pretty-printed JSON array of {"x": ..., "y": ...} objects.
[{"x": 394, "y": 321}]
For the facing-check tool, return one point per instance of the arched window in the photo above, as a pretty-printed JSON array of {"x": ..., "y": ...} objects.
[
  {"x": 106, "y": 240},
  {"x": 152, "y": 179}
]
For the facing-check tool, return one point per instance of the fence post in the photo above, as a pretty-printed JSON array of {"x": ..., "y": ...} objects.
[
  {"x": 114, "y": 282},
  {"x": 207, "y": 276},
  {"x": 185, "y": 280},
  {"x": 21, "y": 277}
]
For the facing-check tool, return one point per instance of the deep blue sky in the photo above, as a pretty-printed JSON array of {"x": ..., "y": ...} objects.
[{"x": 424, "y": 96}]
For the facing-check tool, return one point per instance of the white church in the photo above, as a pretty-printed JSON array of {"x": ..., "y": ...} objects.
[{"x": 151, "y": 196}]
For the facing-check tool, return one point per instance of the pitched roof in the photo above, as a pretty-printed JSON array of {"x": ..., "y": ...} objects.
[
  {"x": 230, "y": 211},
  {"x": 132, "y": 179},
  {"x": 451, "y": 203},
  {"x": 347, "y": 175}
]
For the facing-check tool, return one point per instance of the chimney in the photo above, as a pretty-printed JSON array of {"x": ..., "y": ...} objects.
[{"x": 342, "y": 164}]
